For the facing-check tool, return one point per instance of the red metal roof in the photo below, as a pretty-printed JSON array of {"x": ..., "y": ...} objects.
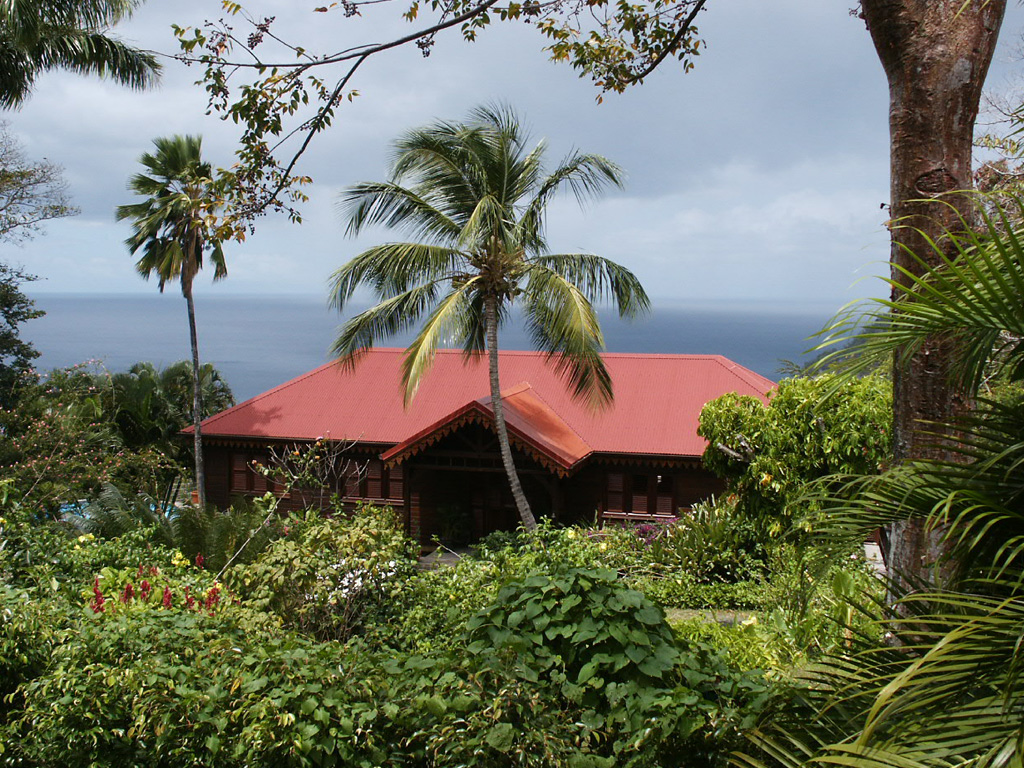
[{"x": 658, "y": 399}]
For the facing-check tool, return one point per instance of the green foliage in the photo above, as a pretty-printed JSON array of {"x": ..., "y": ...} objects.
[
  {"x": 69, "y": 35},
  {"x": 16, "y": 354},
  {"x": 80, "y": 429},
  {"x": 238, "y": 534},
  {"x": 711, "y": 544},
  {"x": 326, "y": 575},
  {"x": 437, "y": 602},
  {"x": 580, "y": 624},
  {"x": 572, "y": 668},
  {"x": 150, "y": 406},
  {"x": 682, "y": 590},
  {"x": 811, "y": 428},
  {"x": 58, "y": 447},
  {"x": 946, "y": 689}
]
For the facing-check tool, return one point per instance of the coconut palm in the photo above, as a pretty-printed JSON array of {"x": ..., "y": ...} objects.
[
  {"x": 175, "y": 228},
  {"x": 37, "y": 37},
  {"x": 477, "y": 197}
]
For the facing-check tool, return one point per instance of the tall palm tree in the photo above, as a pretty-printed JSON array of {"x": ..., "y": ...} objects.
[
  {"x": 36, "y": 37},
  {"x": 478, "y": 196},
  {"x": 175, "y": 227}
]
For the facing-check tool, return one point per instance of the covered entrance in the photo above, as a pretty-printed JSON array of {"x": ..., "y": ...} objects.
[{"x": 460, "y": 491}]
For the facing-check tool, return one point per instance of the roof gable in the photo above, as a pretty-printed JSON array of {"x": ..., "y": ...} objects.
[
  {"x": 657, "y": 404},
  {"x": 532, "y": 425}
]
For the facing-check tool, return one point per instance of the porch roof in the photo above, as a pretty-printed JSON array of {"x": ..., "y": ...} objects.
[{"x": 531, "y": 424}]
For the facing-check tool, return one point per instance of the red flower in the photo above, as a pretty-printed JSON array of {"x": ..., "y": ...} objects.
[
  {"x": 129, "y": 592},
  {"x": 190, "y": 601},
  {"x": 212, "y": 597},
  {"x": 98, "y": 600},
  {"x": 145, "y": 589},
  {"x": 167, "y": 597},
  {"x": 200, "y": 560}
]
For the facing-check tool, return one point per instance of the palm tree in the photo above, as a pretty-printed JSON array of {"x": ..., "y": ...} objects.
[
  {"x": 175, "y": 227},
  {"x": 37, "y": 37},
  {"x": 478, "y": 196}
]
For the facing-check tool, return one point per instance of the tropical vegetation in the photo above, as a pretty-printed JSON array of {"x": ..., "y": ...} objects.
[
  {"x": 945, "y": 689},
  {"x": 477, "y": 195}
]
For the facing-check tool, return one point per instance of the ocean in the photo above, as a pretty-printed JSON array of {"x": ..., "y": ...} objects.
[{"x": 258, "y": 342}]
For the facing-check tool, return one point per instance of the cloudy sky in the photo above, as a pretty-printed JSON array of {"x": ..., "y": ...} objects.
[{"x": 758, "y": 176}]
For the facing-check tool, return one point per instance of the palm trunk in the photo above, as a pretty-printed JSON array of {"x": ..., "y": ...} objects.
[
  {"x": 491, "y": 319},
  {"x": 197, "y": 397},
  {"x": 935, "y": 54}
]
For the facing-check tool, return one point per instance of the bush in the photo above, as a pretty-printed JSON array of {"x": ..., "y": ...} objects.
[
  {"x": 436, "y": 603},
  {"x": 329, "y": 575},
  {"x": 681, "y": 590},
  {"x": 811, "y": 428},
  {"x": 712, "y": 544}
]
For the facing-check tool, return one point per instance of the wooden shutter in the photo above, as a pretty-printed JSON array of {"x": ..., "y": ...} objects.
[
  {"x": 665, "y": 507},
  {"x": 374, "y": 479},
  {"x": 239, "y": 473},
  {"x": 396, "y": 483},
  {"x": 615, "y": 495}
]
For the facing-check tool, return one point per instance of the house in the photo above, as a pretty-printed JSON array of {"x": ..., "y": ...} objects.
[{"x": 436, "y": 460}]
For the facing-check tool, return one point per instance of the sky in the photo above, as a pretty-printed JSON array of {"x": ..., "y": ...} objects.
[{"x": 759, "y": 176}]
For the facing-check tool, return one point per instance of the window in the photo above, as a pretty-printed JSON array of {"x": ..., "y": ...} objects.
[{"x": 641, "y": 484}]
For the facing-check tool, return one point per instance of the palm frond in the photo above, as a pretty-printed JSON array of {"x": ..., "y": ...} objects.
[
  {"x": 562, "y": 322},
  {"x": 393, "y": 206},
  {"x": 36, "y": 37},
  {"x": 392, "y": 269},
  {"x": 391, "y": 316},
  {"x": 600, "y": 279},
  {"x": 445, "y": 325},
  {"x": 974, "y": 298}
]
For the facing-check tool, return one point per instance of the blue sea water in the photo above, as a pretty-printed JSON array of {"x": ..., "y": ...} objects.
[{"x": 258, "y": 342}]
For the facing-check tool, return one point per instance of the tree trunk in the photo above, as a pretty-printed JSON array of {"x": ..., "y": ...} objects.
[
  {"x": 197, "y": 396},
  {"x": 936, "y": 54},
  {"x": 491, "y": 320}
]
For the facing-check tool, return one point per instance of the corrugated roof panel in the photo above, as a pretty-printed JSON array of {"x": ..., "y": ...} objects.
[{"x": 658, "y": 399}]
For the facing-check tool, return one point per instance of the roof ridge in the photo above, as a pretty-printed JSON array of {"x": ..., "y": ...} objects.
[
  {"x": 753, "y": 378},
  {"x": 561, "y": 418}
]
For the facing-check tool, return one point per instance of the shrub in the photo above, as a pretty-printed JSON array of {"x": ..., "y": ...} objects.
[
  {"x": 436, "y": 603},
  {"x": 603, "y": 655},
  {"x": 811, "y": 428},
  {"x": 710, "y": 544},
  {"x": 328, "y": 575}
]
